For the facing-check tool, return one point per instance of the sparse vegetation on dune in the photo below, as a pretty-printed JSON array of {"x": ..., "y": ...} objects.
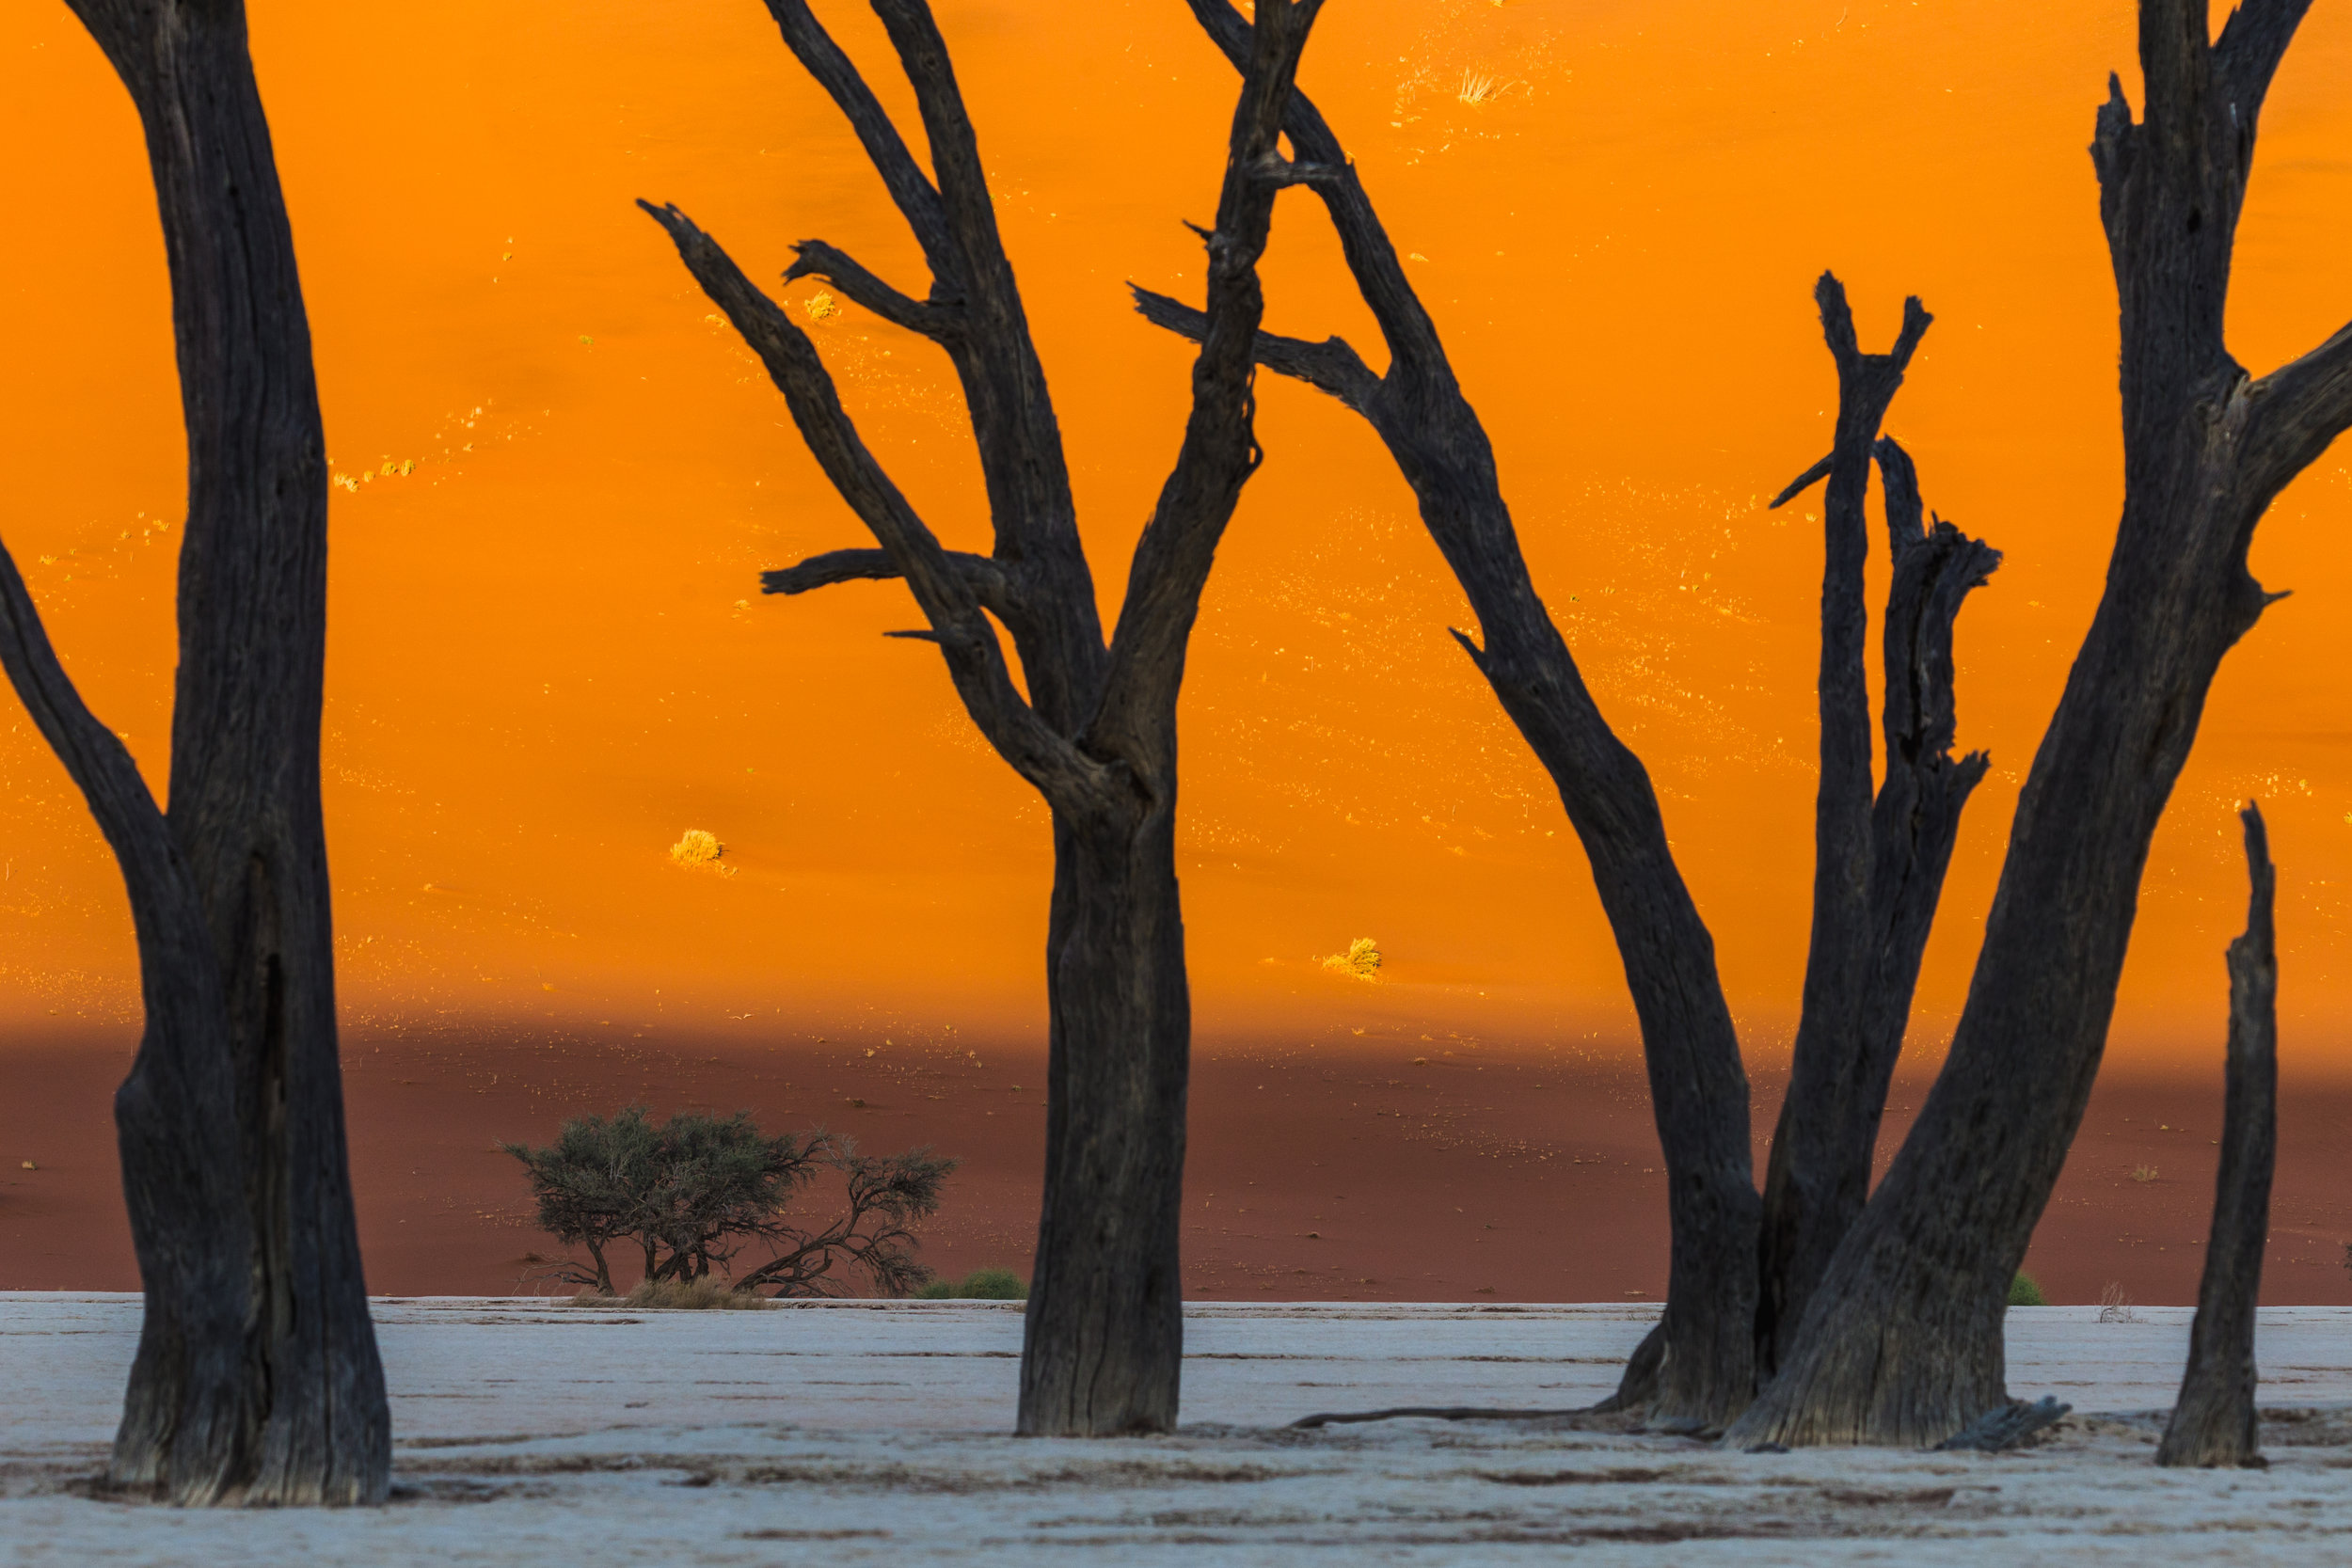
[
  {"x": 1361, "y": 961},
  {"x": 2022, "y": 1291},
  {"x": 699, "y": 850}
]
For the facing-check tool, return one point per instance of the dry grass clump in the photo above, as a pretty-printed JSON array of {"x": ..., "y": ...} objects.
[
  {"x": 1478, "y": 88},
  {"x": 678, "y": 1295},
  {"x": 821, "y": 307},
  {"x": 698, "y": 850},
  {"x": 1361, "y": 961},
  {"x": 2115, "y": 1307},
  {"x": 2143, "y": 1173}
]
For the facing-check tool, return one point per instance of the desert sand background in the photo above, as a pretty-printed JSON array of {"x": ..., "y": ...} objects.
[{"x": 560, "y": 476}]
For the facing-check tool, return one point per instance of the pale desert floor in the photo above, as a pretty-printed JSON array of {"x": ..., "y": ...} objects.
[{"x": 866, "y": 1432}]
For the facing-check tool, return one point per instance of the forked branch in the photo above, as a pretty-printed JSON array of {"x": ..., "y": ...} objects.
[
  {"x": 910, "y": 189},
  {"x": 975, "y": 659}
]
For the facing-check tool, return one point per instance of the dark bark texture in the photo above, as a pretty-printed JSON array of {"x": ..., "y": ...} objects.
[
  {"x": 1879, "y": 863},
  {"x": 2213, "y": 1423},
  {"x": 1700, "y": 1368},
  {"x": 1901, "y": 1342},
  {"x": 1096, "y": 734},
  {"x": 257, "y": 1378}
]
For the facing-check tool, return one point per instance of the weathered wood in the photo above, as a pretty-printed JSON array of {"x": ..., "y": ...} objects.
[
  {"x": 1879, "y": 863},
  {"x": 1901, "y": 1342},
  {"x": 257, "y": 1378},
  {"x": 1096, "y": 733},
  {"x": 2214, "y": 1422},
  {"x": 1702, "y": 1366}
]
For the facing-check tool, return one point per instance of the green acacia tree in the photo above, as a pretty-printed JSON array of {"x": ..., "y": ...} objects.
[{"x": 694, "y": 1192}]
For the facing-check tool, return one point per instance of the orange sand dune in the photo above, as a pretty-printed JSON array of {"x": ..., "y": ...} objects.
[
  {"x": 549, "y": 655},
  {"x": 1343, "y": 1168},
  {"x": 559, "y": 477}
]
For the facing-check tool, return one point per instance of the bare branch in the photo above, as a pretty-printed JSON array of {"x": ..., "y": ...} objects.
[
  {"x": 974, "y": 313},
  {"x": 910, "y": 189},
  {"x": 1330, "y": 365},
  {"x": 2300, "y": 409},
  {"x": 1412, "y": 336},
  {"x": 990, "y": 583},
  {"x": 976, "y": 661},
  {"x": 99, "y": 763},
  {"x": 1803, "y": 482},
  {"x": 819, "y": 260},
  {"x": 955, "y": 149},
  {"x": 2246, "y": 56}
]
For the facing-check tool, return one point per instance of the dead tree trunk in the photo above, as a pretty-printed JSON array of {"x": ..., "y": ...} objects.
[
  {"x": 2214, "y": 1422},
  {"x": 1901, "y": 1342},
  {"x": 1878, "y": 864},
  {"x": 1700, "y": 1365},
  {"x": 1097, "y": 734},
  {"x": 257, "y": 1378}
]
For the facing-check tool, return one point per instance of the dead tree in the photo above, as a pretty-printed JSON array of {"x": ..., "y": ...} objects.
[
  {"x": 1700, "y": 1365},
  {"x": 1097, "y": 734},
  {"x": 257, "y": 1378},
  {"x": 1879, "y": 863},
  {"x": 1901, "y": 1342},
  {"x": 2214, "y": 1422}
]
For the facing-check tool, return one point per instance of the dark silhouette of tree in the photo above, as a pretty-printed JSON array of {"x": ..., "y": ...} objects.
[
  {"x": 1902, "y": 1340},
  {"x": 257, "y": 1378},
  {"x": 2214, "y": 1421},
  {"x": 696, "y": 1190},
  {"x": 1096, "y": 733},
  {"x": 1883, "y": 861}
]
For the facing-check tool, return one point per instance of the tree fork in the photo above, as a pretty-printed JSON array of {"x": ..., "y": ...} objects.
[{"x": 2214, "y": 1422}]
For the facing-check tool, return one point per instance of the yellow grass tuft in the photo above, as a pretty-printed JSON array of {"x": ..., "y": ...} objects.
[
  {"x": 1479, "y": 90},
  {"x": 2143, "y": 1173},
  {"x": 821, "y": 307},
  {"x": 699, "y": 850},
  {"x": 1361, "y": 961}
]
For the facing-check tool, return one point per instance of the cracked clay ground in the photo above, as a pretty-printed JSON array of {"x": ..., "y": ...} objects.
[{"x": 850, "y": 1433}]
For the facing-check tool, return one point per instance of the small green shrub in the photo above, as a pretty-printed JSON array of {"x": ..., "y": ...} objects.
[
  {"x": 980, "y": 1285},
  {"x": 2022, "y": 1291}
]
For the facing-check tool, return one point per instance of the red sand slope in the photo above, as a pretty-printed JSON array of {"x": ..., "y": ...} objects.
[{"x": 1316, "y": 1171}]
